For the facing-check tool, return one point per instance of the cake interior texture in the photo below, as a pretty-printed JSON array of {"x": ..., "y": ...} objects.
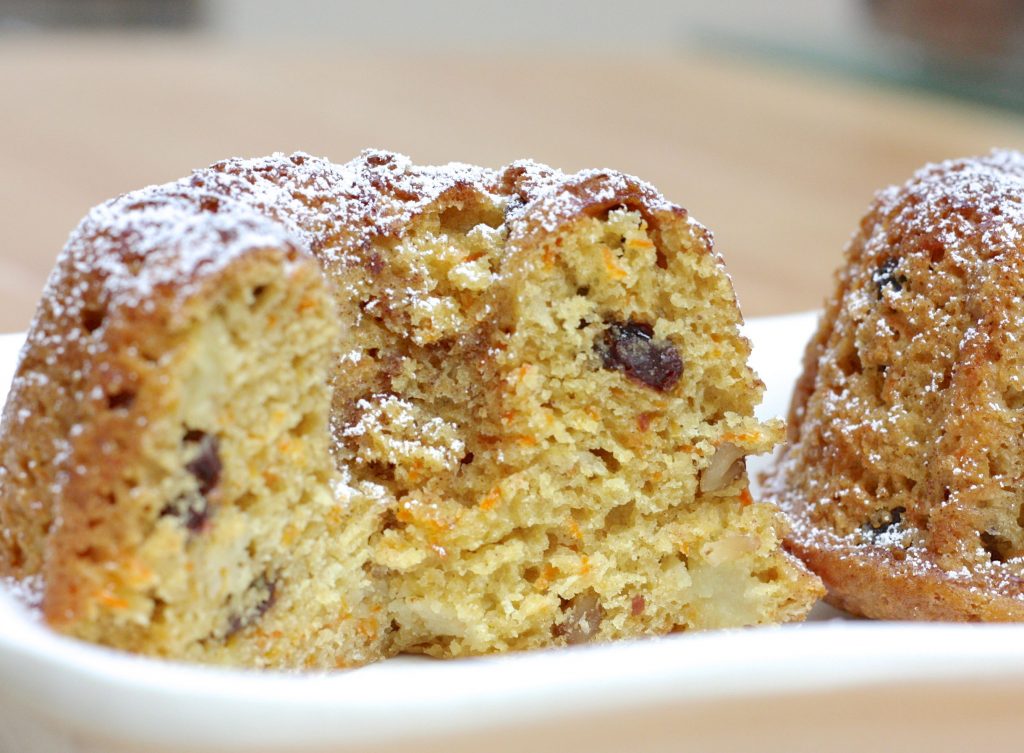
[{"x": 518, "y": 421}]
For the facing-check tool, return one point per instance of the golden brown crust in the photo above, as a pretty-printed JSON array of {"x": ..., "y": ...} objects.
[
  {"x": 906, "y": 424},
  {"x": 140, "y": 273}
]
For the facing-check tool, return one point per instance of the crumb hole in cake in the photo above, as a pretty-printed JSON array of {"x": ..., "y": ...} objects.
[
  {"x": 608, "y": 458},
  {"x": 93, "y": 317},
  {"x": 884, "y": 520},
  {"x": 461, "y": 219},
  {"x": 581, "y": 621},
  {"x": 122, "y": 400},
  {"x": 602, "y": 212},
  {"x": 466, "y": 459},
  {"x": 619, "y": 517},
  {"x": 258, "y": 292},
  {"x": 630, "y": 347},
  {"x": 583, "y": 291},
  {"x": 306, "y": 426},
  {"x": 768, "y": 575},
  {"x": 1014, "y": 398},
  {"x": 390, "y": 521},
  {"x": 383, "y": 473},
  {"x": 850, "y": 363},
  {"x": 998, "y": 547}
]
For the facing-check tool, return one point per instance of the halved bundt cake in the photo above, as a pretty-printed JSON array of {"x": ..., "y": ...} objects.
[{"x": 288, "y": 413}]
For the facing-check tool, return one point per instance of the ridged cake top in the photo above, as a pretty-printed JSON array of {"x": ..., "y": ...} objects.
[
  {"x": 906, "y": 455},
  {"x": 136, "y": 258}
]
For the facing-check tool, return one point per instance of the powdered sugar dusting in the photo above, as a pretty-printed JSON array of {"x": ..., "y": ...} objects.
[
  {"x": 143, "y": 255},
  {"x": 904, "y": 459},
  {"x": 28, "y": 592}
]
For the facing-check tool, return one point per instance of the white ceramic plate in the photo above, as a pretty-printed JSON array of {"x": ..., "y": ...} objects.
[{"x": 829, "y": 685}]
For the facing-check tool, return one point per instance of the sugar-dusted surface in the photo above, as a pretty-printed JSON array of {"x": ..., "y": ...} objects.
[
  {"x": 797, "y": 686},
  {"x": 511, "y": 487},
  {"x": 906, "y": 454}
]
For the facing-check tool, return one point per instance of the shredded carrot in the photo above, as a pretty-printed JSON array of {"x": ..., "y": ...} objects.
[
  {"x": 640, "y": 243},
  {"x": 547, "y": 575},
  {"x": 526, "y": 440},
  {"x": 414, "y": 472},
  {"x": 574, "y": 528},
  {"x": 593, "y": 413},
  {"x": 305, "y": 305},
  {"x": 643, "y": 420},
  {"x": 584, "y": 564},
  {"x": 507, "y": 416},
  {"x": 367, "y": 627},
  {"x": 110, "y": 600},
  {"x": 611, "y": 266},
  {"x": 750, "y": 436},
  {"x": 745, "y": 499},
  {"x": 492, "y": 499},
  {"x": 549, "y": 258}
]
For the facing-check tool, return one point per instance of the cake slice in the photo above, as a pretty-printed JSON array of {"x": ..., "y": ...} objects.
[{"x": 288, "y": 413}]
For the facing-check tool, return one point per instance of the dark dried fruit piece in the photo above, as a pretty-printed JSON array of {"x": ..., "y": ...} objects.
[
  {"x": 630, "y": 347},
  {"x": 895, "y": 515},
  {"x": 260, "y": 595},
  {"x": 885, "y": 276},
  {"x": 206, "y": 466},
  {"x": 191, "y": 509}
]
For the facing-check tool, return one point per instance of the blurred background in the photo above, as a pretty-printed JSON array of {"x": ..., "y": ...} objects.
[{"x": 773, "y": 123}]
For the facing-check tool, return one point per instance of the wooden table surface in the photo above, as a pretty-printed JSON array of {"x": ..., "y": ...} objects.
[{"x": 778, "y": 163}]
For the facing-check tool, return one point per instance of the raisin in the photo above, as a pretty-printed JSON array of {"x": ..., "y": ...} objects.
[
  {"x": 264, "y": 592},
  {"x": 191, "y": 509},
  {"x": 895, "y": 516},
  {"x": 630, "y": 347},
  {"x": 206, "y": 466},
  {"x": 885, "y": 276}
]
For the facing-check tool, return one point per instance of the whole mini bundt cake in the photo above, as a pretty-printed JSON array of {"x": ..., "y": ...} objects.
[
  {"x": 286, "y": 413},
  {"x": 905, "y": 465}
]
